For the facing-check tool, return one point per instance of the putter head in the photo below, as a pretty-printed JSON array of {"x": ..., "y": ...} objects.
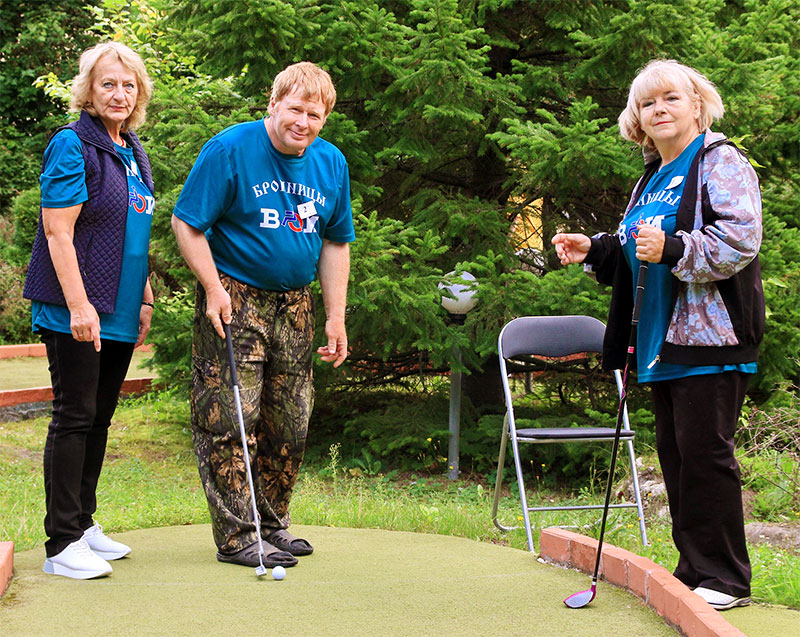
[
  {"x": 261, "y": 570},
  {"x": 579, "y": 600}
]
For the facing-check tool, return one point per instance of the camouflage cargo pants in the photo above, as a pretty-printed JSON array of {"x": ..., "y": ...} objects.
[{"x": 272, "y": 335}]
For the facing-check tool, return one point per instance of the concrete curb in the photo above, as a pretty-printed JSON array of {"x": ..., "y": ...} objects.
[
  {"x": 653, "y": 584},
  {"x": 6, "y": 565}
]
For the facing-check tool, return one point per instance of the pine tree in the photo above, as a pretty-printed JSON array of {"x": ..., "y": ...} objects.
[{"x": 462, "y": 119}]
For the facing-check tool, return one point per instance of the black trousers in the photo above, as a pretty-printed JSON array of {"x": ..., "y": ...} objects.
[
  {"x": 86, "y": 386},
  {"x": 696, "y": 419}
]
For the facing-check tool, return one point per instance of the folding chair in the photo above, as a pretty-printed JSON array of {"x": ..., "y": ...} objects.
[{"x": 554, "y": 337}]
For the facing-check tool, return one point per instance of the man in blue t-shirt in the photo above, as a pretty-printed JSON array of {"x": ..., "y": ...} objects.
[{"x": 265, "y": 209}]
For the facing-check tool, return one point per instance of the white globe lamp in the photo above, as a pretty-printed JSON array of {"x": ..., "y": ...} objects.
[{"x": 462, "y": 301}]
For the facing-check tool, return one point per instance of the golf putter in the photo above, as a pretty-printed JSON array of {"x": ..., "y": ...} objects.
[
  {"x": 579, "y": 600},
  {"x": 260, "y": 569}
]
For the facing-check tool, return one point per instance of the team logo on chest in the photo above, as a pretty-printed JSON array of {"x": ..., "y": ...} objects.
[
  {"x": 630, "y": 232},
  {"x": 140, "y": 203},
  {"x": 300, "y": 220}
]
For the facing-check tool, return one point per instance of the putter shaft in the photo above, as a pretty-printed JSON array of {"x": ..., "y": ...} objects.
[
  {"x": 578, "y": 600},
  {"x": 260, "y": 569}
]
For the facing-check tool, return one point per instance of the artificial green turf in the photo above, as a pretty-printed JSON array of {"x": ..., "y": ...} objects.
[{"x": 357, "y": 582}]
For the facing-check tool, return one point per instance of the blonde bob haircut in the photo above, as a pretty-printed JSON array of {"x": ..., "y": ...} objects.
[
  {"x": 313, "y": 81},
  {"x": 82, "y": 83},
  {"x": 660, "y": 75}
]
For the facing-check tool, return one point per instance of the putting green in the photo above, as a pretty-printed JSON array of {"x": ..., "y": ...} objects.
[{"x": 357, "y": 582}]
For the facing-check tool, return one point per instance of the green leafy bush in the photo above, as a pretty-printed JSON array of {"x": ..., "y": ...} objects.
[
  {"x": 25, "y": 213},
  {"x": 406, "y": 434},
  {"x": 15, "y": 315},
  {"x": 387, "y": 430},
  {"x": 171, "y": 335},
  {"x": 779, "y": 360},
  {"x": 20, "y": 157},
  {"x": 768, "y": 450}
]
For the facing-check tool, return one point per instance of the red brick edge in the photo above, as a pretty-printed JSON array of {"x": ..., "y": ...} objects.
[
  {"x": 15, "y": 351},
  {"x": 652, "y": 583},
  {"x": 37, "y": 350},
  {"x": 6, "y": 565},
  {"x": 44, "y": 394}
]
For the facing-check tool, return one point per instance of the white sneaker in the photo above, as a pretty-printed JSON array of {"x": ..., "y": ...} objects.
[
  {"x": 721, "y": 601},
  {"x": 78, "y": 562},
  {"x": 103, "y": 545}
]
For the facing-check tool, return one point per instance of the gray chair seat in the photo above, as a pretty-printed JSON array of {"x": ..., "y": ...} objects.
[{"x": 573, "y": 433}]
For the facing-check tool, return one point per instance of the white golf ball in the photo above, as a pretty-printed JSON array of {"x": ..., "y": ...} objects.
[{"x": 278, "y": 572}]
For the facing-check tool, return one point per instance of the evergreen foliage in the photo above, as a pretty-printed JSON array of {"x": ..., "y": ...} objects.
[
  {"x": 37, "y": 37},
  {"x": 460, "y": 119}
]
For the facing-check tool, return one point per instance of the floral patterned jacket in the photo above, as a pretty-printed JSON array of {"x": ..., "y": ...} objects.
[{"x": 718, "y": 301}]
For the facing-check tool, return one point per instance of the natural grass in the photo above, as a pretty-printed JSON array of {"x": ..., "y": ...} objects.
[
  {"x": 29, "y": 371},
  {"x": 150, "y": 479}
]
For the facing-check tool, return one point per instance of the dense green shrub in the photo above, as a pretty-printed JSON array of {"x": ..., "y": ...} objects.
[
  {"x": 385, "y": 430},
  {"x": 768, "y": 450},
  {"x": 171, "y": 335},
  {"x": 15, "y": 315},
  {"x": 407, "y": 435},
  {"x": 25, "y": 213},
  {"x": 20, "y": 157},
  {"x": 779, "y": 360}
]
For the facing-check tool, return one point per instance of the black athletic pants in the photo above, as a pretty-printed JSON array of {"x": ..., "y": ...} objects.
[
  {"x": 696, "y": 418},
  {"x": 86, "y": 386}
]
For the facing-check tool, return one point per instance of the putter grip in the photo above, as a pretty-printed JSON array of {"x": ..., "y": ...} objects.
[
  {"x": 231, "y": 361},
  {"x": 637, "y": 302}
]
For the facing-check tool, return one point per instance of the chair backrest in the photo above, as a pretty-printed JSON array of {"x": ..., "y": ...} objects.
[{"x": 551, "y": 336}]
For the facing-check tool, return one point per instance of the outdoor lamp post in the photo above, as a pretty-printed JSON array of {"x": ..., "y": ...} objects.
[{"x": 457, "y": 308}]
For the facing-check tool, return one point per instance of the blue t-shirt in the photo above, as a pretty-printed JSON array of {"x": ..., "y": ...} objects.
[
  {"x": 63, "y": 184},
  {"x": 657, "y": 206},
  {"x": 264, "y": 213}
]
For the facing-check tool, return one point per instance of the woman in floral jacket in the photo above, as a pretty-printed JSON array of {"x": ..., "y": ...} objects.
[{"x": 695, "y": 217}]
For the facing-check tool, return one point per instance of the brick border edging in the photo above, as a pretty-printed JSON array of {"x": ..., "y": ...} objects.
[
  {"x": 653, "y": 584},
  {"x": 43, "y": 394},
  {"x": 11, "y": 397},
  {"x": 6, "y": 565},
  {"x": 37, "y": 350}
]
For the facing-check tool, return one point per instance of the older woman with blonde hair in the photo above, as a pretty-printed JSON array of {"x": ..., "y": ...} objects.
[
  {"x": 695, "y": 218},
  {"x": 91, "y": 296}
]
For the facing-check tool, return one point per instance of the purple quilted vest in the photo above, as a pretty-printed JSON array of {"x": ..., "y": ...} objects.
[{"x": 99, "y": 234}]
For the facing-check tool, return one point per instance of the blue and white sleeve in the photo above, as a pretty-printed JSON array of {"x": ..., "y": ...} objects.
[
  {"x": 208, "y": 191},
  {"x": 340, "y": 227},
  {"x": 63, "y": 178}
]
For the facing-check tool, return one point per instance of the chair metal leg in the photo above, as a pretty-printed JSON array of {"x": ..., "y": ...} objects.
[
  {"x": 501, "y": 461},
  {"x": 637, "y": 494},
  {"x": 526, "y": 518}
]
